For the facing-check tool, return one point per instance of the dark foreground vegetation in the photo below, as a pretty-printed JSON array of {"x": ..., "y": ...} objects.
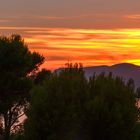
[{"x": 64, "y": 105}]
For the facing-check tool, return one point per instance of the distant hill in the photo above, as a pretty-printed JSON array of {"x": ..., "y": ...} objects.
[{"x": 124, "y": 70}]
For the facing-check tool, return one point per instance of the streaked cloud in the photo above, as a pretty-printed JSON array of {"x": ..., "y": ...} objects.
[
  {"x": 94, "y": 32},
  {"x": 88, "y": 20},
  {"x": 88, "y": 46},
  {"x": 135, "y": 16}
]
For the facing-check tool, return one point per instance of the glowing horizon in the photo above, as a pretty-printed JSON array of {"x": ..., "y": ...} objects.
[
  {"x": 92, "y": 32},
  {"x": 91, "y": 47}
]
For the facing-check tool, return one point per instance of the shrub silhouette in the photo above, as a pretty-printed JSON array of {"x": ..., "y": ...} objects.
[{"x": 70, "y": 107}]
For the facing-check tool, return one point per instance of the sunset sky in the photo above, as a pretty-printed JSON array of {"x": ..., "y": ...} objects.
[{"x": 93, "y": 32}]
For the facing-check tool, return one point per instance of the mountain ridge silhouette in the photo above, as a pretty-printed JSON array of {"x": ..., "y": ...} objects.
[{"x": 125, "y": 70}]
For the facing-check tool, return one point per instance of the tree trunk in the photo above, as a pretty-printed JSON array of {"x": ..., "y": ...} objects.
[{"x": 6, "y": 127}]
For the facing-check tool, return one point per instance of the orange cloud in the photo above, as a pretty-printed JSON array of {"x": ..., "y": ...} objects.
[
  {"x": 88, "y": 46},
  {"x": 135, "y": 16}
]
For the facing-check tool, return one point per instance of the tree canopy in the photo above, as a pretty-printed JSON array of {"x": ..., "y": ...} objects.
[
  {"x": 68, "y": 106},
  {"x": 56, "y": 106},
  {"x": 16, "y": 65},
  {"x": 111, "y": 110}
]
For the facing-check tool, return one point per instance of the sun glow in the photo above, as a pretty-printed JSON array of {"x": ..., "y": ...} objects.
[{"x": 88, "y": 46}]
